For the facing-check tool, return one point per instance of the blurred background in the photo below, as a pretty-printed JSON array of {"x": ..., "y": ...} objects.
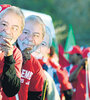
[{"x": 67, "y": 16}]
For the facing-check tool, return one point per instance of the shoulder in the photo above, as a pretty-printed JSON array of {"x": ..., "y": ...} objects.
[
  {"x": 36, "y": 64},
  {"x": 16, "y": 52}
]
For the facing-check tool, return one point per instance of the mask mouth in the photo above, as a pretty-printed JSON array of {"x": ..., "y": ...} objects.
[
  {"x": 28, "y": 44},
  {"x": 4, "y": 35}
]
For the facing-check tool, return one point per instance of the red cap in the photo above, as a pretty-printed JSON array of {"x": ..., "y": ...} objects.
[
  {"x": 4, "y": 6},
  {"x": 75, "y": 50},
  {"x": 85, "y": 52}
]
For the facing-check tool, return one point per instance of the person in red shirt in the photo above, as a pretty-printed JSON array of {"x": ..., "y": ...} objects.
[
  {"x": 53, "y": 58},
  {"x": 62, "y": 74},
  {"x": 85, "y": 52},
  {"x": 78, "y": 74},
  {"x": 65, "y": 85},
  {"x": 33, "y": 77},
  {"x": 11, "y": 26},
  {"x": 75, "y": 54},
  {"x": 59, "y": 75},
  {"x": 41, "y": 54}
]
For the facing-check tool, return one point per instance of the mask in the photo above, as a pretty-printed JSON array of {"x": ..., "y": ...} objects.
[
  {"x": 4, "y": 35},
  {"x": 26, "y": 44}
]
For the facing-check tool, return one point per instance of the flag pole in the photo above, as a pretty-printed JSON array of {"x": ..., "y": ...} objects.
[
  {"x": 87, "y": 77},
  {"x": 89, "y": 69}
]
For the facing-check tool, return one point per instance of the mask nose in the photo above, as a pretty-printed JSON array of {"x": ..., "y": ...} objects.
[
  {"x": 8, "y": 31},
  {"x": 30, "y": 37}
]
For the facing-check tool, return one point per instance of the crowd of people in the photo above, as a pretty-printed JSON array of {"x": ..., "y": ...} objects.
[{"x": 29, "y": 67}]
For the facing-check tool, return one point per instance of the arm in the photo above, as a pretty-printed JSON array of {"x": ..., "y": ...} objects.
[
  {"x": 10, "y": 81},
  {"x": 74, "y": 74},
  {"x": 68, "y": 94},
  {"x": 12, "y": 68},
  {"x": 66, "y": 86}
]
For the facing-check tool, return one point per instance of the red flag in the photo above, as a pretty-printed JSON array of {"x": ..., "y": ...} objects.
[{"x": 62, "y": 60}]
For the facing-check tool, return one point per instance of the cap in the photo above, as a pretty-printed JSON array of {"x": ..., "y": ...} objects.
[
  {"x": 74, "y": 50},
  {"x": 85, "y": 52},
  {"x": 4, "y": 6}
]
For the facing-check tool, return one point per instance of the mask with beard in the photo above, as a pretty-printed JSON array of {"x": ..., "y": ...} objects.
[{"x": 26, "y": 44}]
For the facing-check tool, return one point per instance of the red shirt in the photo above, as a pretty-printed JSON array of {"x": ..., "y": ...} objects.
[
  {"x": 41, "y": 61},
  {"x": 32, "y": 78},
  {"x": 79, "y": 85},
  {"x": 64, "y": 79},
  {"x": 18, "y": 63}
]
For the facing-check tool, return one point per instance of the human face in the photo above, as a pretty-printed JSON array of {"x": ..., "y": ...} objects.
[
  {"x": 32, "y": 35},
  {"x": 73, "y": 59},
  {"x": 43, "y": 49},
  {"x": 10, "y": 24}
]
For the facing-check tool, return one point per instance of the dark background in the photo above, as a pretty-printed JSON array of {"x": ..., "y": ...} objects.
[{"x": 63, "y": 13}]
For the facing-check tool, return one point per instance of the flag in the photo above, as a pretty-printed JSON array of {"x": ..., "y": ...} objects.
[
  {"x": 70, "y": 41},
  {"x": 62, "y": 60}
]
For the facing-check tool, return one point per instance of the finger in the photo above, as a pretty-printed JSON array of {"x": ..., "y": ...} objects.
[
  {"x": 5, "y": 49},
  {"x": 5, "y": 45},
  {"x": 7, "y": 41},
  {"x": 27, "y": 50}
]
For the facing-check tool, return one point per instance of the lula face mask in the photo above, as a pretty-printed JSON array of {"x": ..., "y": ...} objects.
[
  {"x": 26, "y": 44},
  {"x": 4, "y": 35}
]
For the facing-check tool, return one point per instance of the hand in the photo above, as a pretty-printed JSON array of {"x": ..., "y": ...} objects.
[
  {"x": 6, "y": 47},
  {"x": 83, "y": 62},
  {"x": 26, "y": 54}
]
